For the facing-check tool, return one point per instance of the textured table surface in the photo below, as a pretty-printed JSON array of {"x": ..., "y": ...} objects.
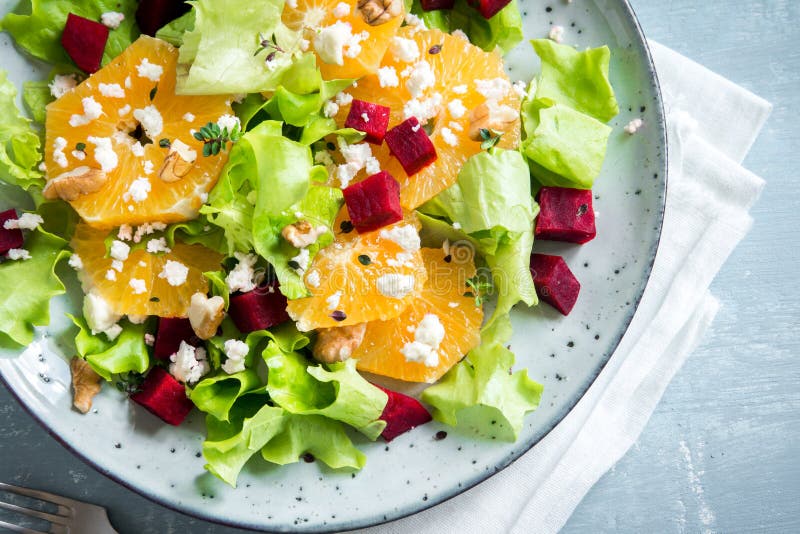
[{"x": 722, "y": 451}]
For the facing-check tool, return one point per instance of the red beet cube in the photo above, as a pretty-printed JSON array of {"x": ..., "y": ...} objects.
[
  {"x": 164, "y": 397},
  {"x": 430, "y": 5},
  {"x": 151, "y": 15},
  {"x": 409, "y": 143},
  {"x": 555, "y": 283},
  {"x": 489, "y": 8},
  {"x": 402, "y": 413},
  {"x": 259, "y": 309},
  {"x": 374, "y": 202},
  {"x": 9, "y": 238},
  {"x": 171, "y": 331},
  {"x": 566, "y": 215},
  {"x": 84, "y": 40},
  {"x": 372, "y": 119}
]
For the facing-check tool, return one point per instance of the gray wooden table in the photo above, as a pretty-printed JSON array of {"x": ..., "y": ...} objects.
[{"x": 722, "y": 451}]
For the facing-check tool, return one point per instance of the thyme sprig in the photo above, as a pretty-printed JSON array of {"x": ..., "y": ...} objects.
[
  {"x": 480, "y": 289},
  {"x": 268, "y": 44},
  {"x": 215, "y": 138},
  {"x": 490, "y": 138}
]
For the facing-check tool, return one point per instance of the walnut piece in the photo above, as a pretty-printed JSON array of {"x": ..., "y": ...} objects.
[
  {"x": 338, "y": 344},
  {"x": 301, "y": 234},
  {"x": 174, "y": 168},
  {"x": 85, "y": 384},
  {"x": 206, "y": 314},
  {"x": 491, "y": 116},
  {"x": 377, "y": 12},
  {"x": 72, "y": 184}
]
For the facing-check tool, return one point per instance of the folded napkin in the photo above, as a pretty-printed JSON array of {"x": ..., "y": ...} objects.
[{"x": 708, "y": 200}]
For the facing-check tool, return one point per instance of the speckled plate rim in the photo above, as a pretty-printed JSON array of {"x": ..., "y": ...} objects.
[{"x": 644, "y": 51}]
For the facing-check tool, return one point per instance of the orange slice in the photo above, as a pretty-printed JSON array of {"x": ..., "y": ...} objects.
[
  {"x": 142, "y": 286},
  {"x": 104, "y": 116}
]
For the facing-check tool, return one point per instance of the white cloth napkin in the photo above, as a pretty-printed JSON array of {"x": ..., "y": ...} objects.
[{"x": 708, "y": 200}]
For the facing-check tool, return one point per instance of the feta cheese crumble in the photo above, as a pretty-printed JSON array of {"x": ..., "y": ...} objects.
[
  {"x": 75, "y": 262},
  {"x": 125, "y": 232},
  {"x": 387, "y": 77},
  {"x": 124, "y": 110},
  {"x": 26, "y": 221},
  {"x": 333, "y": 300},
  {"x": 59, "y": 144},
  {"x": 341, "y": 10},
  {"x": 174, "y": 272},
  {"x": 330, "y": 42},
  {"x": 634, "y": 126},
  {"x": 150, "y": 119},
  {"x": 112, "y": 19},
  {"x": 62, "y": 84},
  {"x": 119, "y": 250},
  {"x": 406, "y": 236},
  {"x": 91, "y": 111},
  {"x": 395, "y": 285},
  {"x": 138, "y": 285},
  {"x": 18, "y": 254},
  {"x": 420, "y": 78},
  {"x": 356, "y": 156},
  {"x": 494, "y": 89},
  {"x": 456, "y": 108},
  {"x": 427, "y": 337},
  {"x": 241, "y": 277},
  {"x": 302, "y": 259},
  {"x": 459, "y": 89},
  {"x": 236, "y": 351},
  {"x": 104, "y": 154},
  {"x": 330, "y": 109},
  {"x": 137, "y": 149},
  {"x": 111, "y": 90},
  {"x": 312, "y": 279},
  {"x": 148, "y": 70},
  {"x": 155, "y": 246},
  {"x": 556, "y": 33},
  {"x": 449, "y": 137},
  {"x": 98, "y": 313},
  {"x": 423, "y": 110},
  {"x": 189, "y": 363},
  {"x": 404, "y": 49},
  {"x": 188, "y": 117},
  {"x": 149, "y": 340},
  {"x": 138, "y": 191}
]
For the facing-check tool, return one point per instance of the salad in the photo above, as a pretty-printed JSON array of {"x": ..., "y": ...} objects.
[{"x": 285, "y": 214}]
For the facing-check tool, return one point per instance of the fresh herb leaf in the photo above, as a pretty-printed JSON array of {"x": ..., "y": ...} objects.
[
  {"x": 80, "y": 147},
  {"x": 164, "y": 143},
  {"x": 490, "y": 138},
  {"x": 480, "y": 288}
]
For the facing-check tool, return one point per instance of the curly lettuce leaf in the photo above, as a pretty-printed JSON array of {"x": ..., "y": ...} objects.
[
  {"x": 36, "y": 95},
  {"x": 577, "y": 79},
  {"x": 340, "y": 393},
  {"x": 173, "y": 31},
  {"x": 26, "y": 287},
  {"x": 504, "y": 30},
  {"x": 127, "y": 353},
  {"x": 37, "y": 25},
  {"x": 215, "y": 395},
  {"x": 20, "y": 146},
  {"x": 480, "y": 391},
  {"x": 221, "y": 53}
]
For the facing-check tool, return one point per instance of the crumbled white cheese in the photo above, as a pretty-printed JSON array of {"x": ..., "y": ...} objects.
[
  {"x": 456, "y": 108},
  {"x": 404, "y": 49},
  {"x": 188, "y": 117},
  {"x": 98, "y": 313},
  {"x": 147, "y": 229},
  {"x": 128, "y": 83},
  {"x": 341, "y": 10},
  {"x": 387, "y": 77},
  {"x": 150, "y": 119},
  {"x": 149, "y": 340},
  {"x": 343, "y": 99},
  {"x": 460, "y": 34},
  {"x": 147, "y": 167},
  {"x": 302, "y": 259},
  {"x": 634, "y": 126},
  {"x": 125, "y": 232},
  {"x": 18, "y": 254},
  {"x": 353, "y": 46},
  {"x": 427, "y": 337},
  {"x": 452, "y": 304},
  {"x": 313, "y": 278},
  {"x": 241, "y": 277},
  {"x": 330, "y": 109},
  {"x": 455, "y": 126},
  {"x": 137, "y": 319},
  {"x": 493, "y": 89},
  {"x": 124, "y": 110},
  {"x": 174, "y": 272},
  {"x": 333, "y": 300},
  {"x": 26, "y": 221},
  {"x": 373, "y": 166},
  {"x": 519, "y": 88},
  {"x": 415, "y": 21},
  {"x": 449, "y": 137},
  {"x": 395, "y": 285},
  {"x": 236, "y": 351},
  {"x": 330, "y": 41},
  {"x": 117, "y": 265},
  {"x": 405, "y": 235},
  {"x": 112, "y": 19},
  {"x": 137, "y": 149},
  {"x": 324, "y": 158},
  {"x": 59, "y": 144},
  {"x": 188, "y": 364},
  {"x": 119, "y": 250},
  {"x": 62, "y": 84},
  {"x": 148, "y": 70},
  {"x": 75, "y": 262},
  {"x": 556, "y": 33},
  {"x": 104, "y": 153},
  {"x": 229, "y": 121},
  {"x": 423, "y": 110},
  {"x": 80, "y": 155},
  {"x": 138, "y": 191},
  {"x": 91, "y": 111},
  {"x": 111, "y": 90},
  {"x": 138, "y": 285},
  {"x": 356, "y": 157},
  {"x": 420, "y": 78},
  {"x": 456, "y": 225},
  {"x": 154, "y": 246},
  {"x": 111, "y": 275},
  {"x": 459, "y": 89}
]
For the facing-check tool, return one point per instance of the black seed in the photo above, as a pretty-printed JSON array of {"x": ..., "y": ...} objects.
[
  {"x": 338, "y": 315},
  {"x": 440, "y": 435},
  {"x": 582, "y": 209},
  {"x": 548, "y": 9},
  {"x": 294, "y": 265},
  {"x": 155, "y": 299},
  {"x": 153, "y": 92},
  {"x": 363, "y": 259},
  {"x": 164, "y": 143},
  {"x": 448, "y": 258},
  {"x": 346, "y": 227},
  {"x": 435, "y": 49}
]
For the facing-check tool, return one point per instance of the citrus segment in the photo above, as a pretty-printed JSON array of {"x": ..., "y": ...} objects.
[
  {"x": 142, "y": 285},
  {"x": 126, "y": 120},
  {"x": 382, "y": 351},
  {"x": 440, "y": 79}
]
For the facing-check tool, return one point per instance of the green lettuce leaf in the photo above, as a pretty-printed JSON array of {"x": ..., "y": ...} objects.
[
  {"x": 127, "y": 353},
  {"x": 481, "y": 392},
  {"x": 173, "y": 31},
  {"x": 565, "y": 148},
  {"x": 228, "y": 34},
  {"x": 36, "y": 95},
  {"x": 20, "y": 145},
  {"x": 575, "y": 79},
  {"x": 215, "y": 395},
  {"x": 26, "y": 287},
  {"x": 340, "y": 394},
  {"x": 37, "y": 25},
  {"x": 504, "y": 30}
]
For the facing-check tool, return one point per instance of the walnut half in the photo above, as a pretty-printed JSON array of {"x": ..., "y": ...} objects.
[
  {"x": 338, "y": 344},
  {"x": 491, "y": 116},
  {"x": 72, "y": 184},
  {"x": 377, "y": 12},
  {"x": 85, "y": 384},
  {"x": 301, "y": 234},
  {"x": 206, "y": 314},
  {"x": 178, "y": 163}
]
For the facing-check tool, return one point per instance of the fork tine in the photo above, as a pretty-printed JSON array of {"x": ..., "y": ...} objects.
[
  {"x": 41, "y": 495},
  {"x": 15, "y": 528},
  {"x": 56, "y": 519}
]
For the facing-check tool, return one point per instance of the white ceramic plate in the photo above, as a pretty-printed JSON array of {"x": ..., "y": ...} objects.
[{"x": 415, "y": 471}]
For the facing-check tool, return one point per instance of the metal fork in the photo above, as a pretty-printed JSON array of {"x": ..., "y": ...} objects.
[{"x": 72, "y": 517}]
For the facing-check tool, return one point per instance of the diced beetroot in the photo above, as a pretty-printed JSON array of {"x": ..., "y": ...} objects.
[
  {"x": 374, "y": 202},
  {"x": 84, "y": 40},
  {"x": 259, "y": 309},
  {"x": 566, "y": 215},
  {"x": 409, "y": 143},
  {"x": 372, "y": 119},
  {"x": 151, "y": 15},
  {"x": 164, "y": 397},
  {"x": 555, "y": 283},
  {"x": 402, "y": 413},
  {"x": 171, "y": 331},
  {"x": 489, "y": 8},
  {"x": 430, "y": 5},
  {"x": 9, "y": 238}
]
